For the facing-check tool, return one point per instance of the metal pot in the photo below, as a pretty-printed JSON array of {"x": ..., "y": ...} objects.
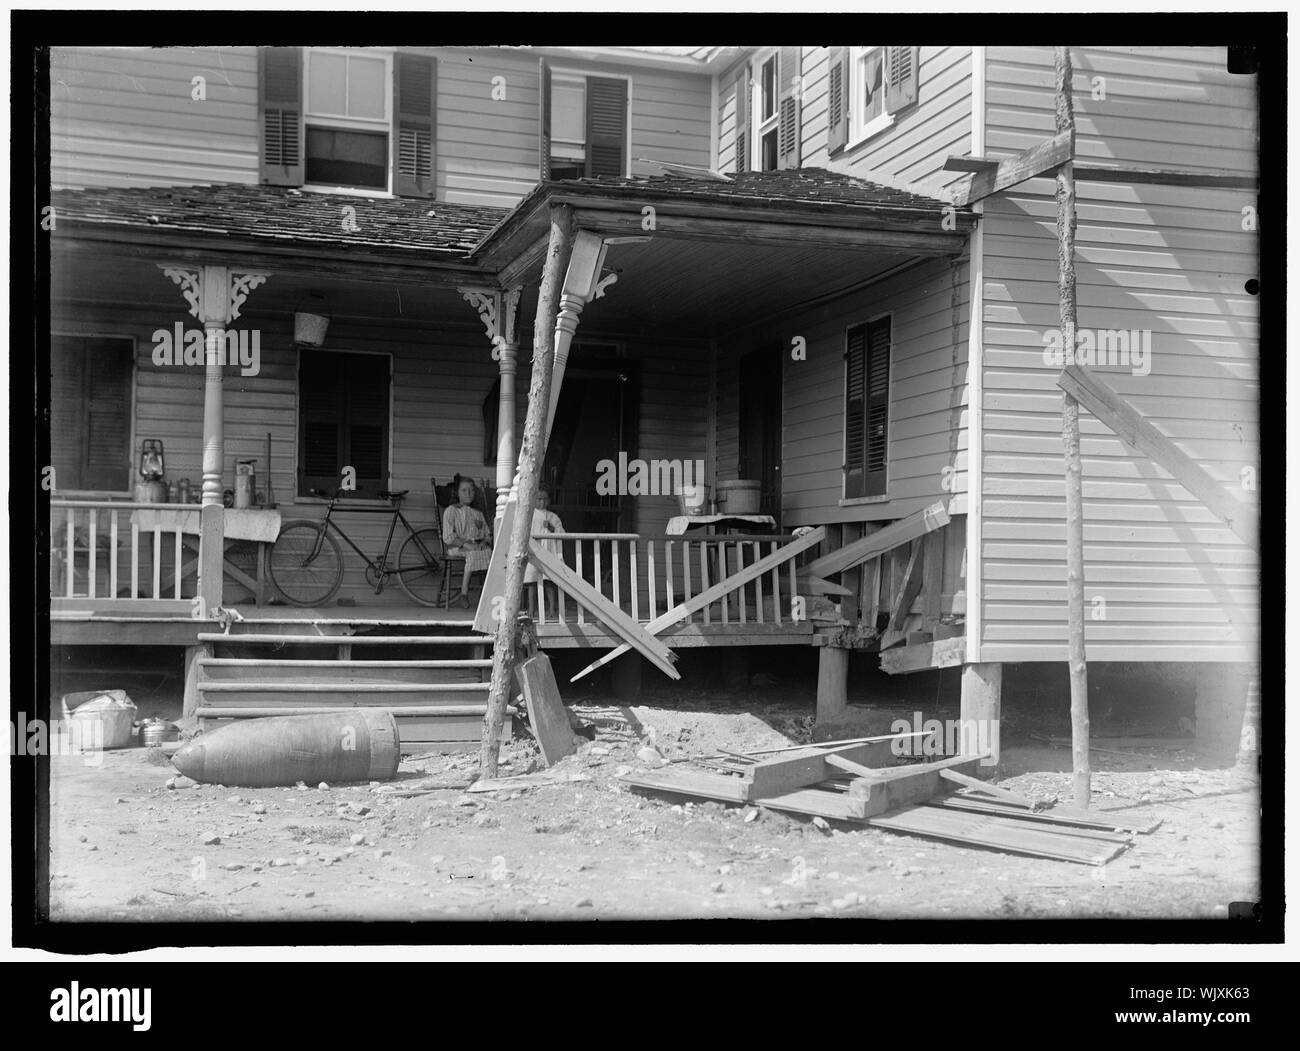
[{"x": 144, "y": 492}]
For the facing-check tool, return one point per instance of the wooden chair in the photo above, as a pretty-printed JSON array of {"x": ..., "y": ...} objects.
[{"x": 454, "y": 568}]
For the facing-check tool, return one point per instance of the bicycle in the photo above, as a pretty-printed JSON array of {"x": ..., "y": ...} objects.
[{"x": 306, "y": 562}]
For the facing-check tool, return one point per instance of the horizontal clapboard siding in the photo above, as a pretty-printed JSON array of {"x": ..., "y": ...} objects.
[
  {"x": 441, "y": 375},
  {"x": 928, "y": 398},
  {"x": 914, "y": 149},
  {"x": 126, "y": 117},
  {"x": 1165, "y": 580}
]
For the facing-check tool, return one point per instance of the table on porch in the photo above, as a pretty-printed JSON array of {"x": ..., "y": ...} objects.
[{"x": 258, "y": 526}]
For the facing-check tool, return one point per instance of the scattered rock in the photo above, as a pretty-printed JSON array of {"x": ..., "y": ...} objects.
[
  {"x": 359, "y": 808},
  {"x": 716, "y": 887},
  {"x": 752, "y": 815},
  {"x": 279, "y": 863},
  {"x": 301, "y": 859},
  {"x": 322, "y": 786},
  {"x": 233, "y": 866},
  {"x": 82, "y": 838},
  {"x": 211, "y": 840},
  {"x": 622, "y": 771},
  {"x": 309, "y": 894},
  {"x": 356, "y": 839},
  {"x": 585, "y": 903},
  {"x": 821, "y": 823},
  {"x": 259, "y": 808},
  {"x": 381, "y": 853},
  {"x": 648, "y": 754},
  {"x": 234, "y": 799}
]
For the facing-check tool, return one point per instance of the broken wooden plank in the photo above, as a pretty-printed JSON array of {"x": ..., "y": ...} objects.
[
  {"x": 812, "y": 585},
  {"x": 945, "y": 653},
  {"x": 1167, "y": 177},
  {"x": 968, "y": 164},
  {"x": 1094, "y": 830},
  {"x": 598, "y": 605},
  {"x": 1102, "y": 819},
  {"x": 910, "y": 588},
  {"x": 1133, "y": 428},
  {"x": 886, "y": 790},
  {"x": 983, "y": 787},
  {"x": 817, "y": 802},
  {"x": 786, "y": 773},
  {"x": 690, "y": 783},
  {"x": 1041, "y": 159},
  {"x": 998, "y": 833},
  {"x": 522, "y": 782},
  {"x": 897, "y": 533},
  {"x": 719, "y": 590},
  {"x": 546, "y": 715}
]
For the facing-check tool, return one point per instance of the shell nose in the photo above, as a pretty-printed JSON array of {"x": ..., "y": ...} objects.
[{"x": 188, "y": 759}]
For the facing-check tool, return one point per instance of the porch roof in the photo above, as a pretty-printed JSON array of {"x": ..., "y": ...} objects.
[{"x": 277, "y": 216}]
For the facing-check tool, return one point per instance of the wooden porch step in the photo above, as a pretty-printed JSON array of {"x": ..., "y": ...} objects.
[
  {"x": 344, "y": 640},
  {"x": 334, "y": 686},
  {"x": 340, "y": 670},
  {"x": 445, "y": 711}
]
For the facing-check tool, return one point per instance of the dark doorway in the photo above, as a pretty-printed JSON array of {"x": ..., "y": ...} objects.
[
  {"x": 596, "y": 419},
  {"x": 760, "y": 423}
]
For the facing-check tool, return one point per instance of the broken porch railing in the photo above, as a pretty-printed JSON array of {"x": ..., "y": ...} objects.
[{"x": 645, "y": 575}]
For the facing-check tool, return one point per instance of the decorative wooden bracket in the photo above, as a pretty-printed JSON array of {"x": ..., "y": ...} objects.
[
  {"x": 221, "y": 305},
  {"x": 1129, "y": 424},
  {"x": 497, "y": 310}
]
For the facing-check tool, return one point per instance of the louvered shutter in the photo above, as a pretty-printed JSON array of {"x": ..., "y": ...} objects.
[
  {"x": 902, "y": 66},
  {"x": 837, "y": 100},
  {"x": 367, "y": 379},
  {"x": 544, "y": 117},
  {"x": 866, "y": 409},
  {"x": 67, "y": 413},
  {"x": 606, "y": 126},
  {"x": 320, "y": 416},
  {"x": 742, "y": 121},
  {"x": 415, "y": 107},
  {"x": 877, "y": 407},
  {"x": 108, "y": 415},
  {"x": 280, "y": 102},
  {"x": 789, "y": 124}
]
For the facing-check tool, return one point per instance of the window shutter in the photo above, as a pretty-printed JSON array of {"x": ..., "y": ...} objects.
[
  {"x": 108, "y": 415},
  {"x": 415, "y": 106},
  {"x": 280, "y": 102},
  {"x": 855, "y": 358},
  {"x": 877, "y": 406},
  {"x": 366, "y": 388},
  {"x": 837, "y": 100},
  {"x": 606, "y": 126},
  {"x": 902, "y": 66},
  {"x": 742, "y": 121},
  {"x": 789, "y": 124},
  {"x": 67, "y": 413},
  {"x": 544, "y": 117}
]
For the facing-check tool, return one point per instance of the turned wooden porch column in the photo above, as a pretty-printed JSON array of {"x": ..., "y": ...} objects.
[
  {"x": 215, "y": 295},
  {"x": 498, "y": 310},
  {"x": 582, "y": 283}
]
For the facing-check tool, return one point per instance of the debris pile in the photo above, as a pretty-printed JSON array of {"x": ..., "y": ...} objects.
[{"x": 862, "y": 783}]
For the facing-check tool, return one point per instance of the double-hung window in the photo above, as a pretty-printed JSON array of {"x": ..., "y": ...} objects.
[{"x": 348, "y": 118}]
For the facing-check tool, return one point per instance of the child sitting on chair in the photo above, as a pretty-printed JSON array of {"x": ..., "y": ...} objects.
[
  {"x": 544, "y": 521},
  {"x": 466, "y": 534}
]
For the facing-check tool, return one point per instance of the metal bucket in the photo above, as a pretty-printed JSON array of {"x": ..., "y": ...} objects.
[
  {"x": 739, "y": 497},
  {"x": 154, "y": 732},
  {"x": 113, "y": 710}
]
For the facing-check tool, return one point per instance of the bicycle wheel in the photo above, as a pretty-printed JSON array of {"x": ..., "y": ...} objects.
[
  {"x": 419, "y": 566},
  {"x": 300, "y": 578}
]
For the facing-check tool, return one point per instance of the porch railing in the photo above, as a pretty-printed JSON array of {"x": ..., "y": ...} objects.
[
  {"x": 100, "y": 554},
  {"x": 647, "y": 575}
]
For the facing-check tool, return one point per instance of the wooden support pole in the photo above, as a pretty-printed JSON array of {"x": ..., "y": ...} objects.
[
  {"x": 531, "y": 454},
  {"x": 981, "y": 713},
  {"x": 1065, "y": 230},
  {"x": 832, "y": 683}
]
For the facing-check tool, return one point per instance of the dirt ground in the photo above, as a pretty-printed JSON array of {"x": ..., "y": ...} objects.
[{"x": 126, "y": 847}]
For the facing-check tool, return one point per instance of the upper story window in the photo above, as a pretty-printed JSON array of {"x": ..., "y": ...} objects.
[
  {"x": 584, "y": 124},
  {"x": 768, "y": 112},
  {"x": 866, "y": 88},
  {"x": 352, "y": 120},
  {"x": 348, "y": 116}
]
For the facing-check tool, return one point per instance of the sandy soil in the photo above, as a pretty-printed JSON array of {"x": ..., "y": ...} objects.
[{"x": 125, "y": 847}]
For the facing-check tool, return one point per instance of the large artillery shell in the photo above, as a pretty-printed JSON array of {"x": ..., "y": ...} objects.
[{"x": 359, "y": 744}]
